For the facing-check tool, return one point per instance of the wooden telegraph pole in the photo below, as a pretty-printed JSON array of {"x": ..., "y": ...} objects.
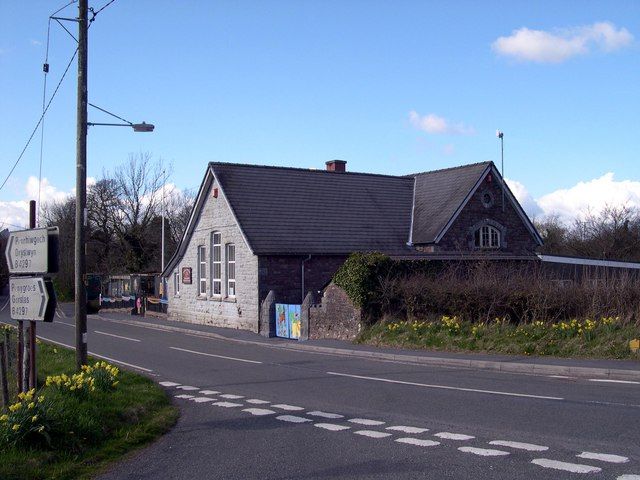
[{"x": 81, "y": 189}]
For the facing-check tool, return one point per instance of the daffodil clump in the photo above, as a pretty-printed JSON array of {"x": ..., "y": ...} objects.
[
  {"x": 26, "y": 421},
  {"x": 78, "y": 384},
  {"x": 569, "y": 337},
  {"x": 105, "y": 376}
]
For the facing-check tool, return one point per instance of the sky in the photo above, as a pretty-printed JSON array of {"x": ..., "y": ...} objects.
[{"x": 392, "y": 87}]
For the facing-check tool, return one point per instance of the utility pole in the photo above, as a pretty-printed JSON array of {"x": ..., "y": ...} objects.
[{"x": 81, "y": 189}]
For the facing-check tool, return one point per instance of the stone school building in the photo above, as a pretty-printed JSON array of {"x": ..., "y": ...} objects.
[{"x": 277, "y": 232}]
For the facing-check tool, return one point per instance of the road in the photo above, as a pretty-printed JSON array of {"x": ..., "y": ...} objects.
[{"x": 254, "y": 411}]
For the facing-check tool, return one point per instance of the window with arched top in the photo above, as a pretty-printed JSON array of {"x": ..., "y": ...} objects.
[{"x": 487, "y": 237}]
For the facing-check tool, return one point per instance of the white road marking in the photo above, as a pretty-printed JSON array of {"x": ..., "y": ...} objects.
[
  {"x": 406, "y": 429},
  {"x": 559, "y": 376},
  {"x": 603, "y": 457},
  {"x": 227, "y": 404},
  {"x": 628, "y": 477},
  {"x": 453, "y": 436},
  {"x": 289, "y": 408},
  {"x": 216, "y": 356},
  {"x": 331, "y": 426},
  {"x": 318, "y": 413},
  {"x": 65, "y": 323},
  {"x": 530, "y": 447},
  {"x": 169, "y": 384},
  {"x": 187, "y": 388},
  {"x": 293, "y": 419},
  {"x": 257, "y": 401},
  {"x": 608, "y": 380},
  {"x": 483, "y": 452},
  {"x": 183, "y": 395},
  {"x": 564, "y": 466},
  {"x": 445, "y": 387},
  {"x": 209, "y": 392},
  {"x": 366, "y": 421},
  {"x": 117, "y": 336},
  {"x": 202, "y": 399},
  {"x": 5, "y": 304},
  {"x": 259, "y": 411},
  {"x": 230, "y": 396},
  {"x": 418, "y": 442},
  {"x": 137, "y": 367},
  {"x": 372, "y": 433}
]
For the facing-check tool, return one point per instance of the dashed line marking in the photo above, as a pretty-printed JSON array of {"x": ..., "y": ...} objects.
[
  {"x": 184, "y": 396},
  {"x": 169, "y": 384},
  {"x": 445, "y": 387},
  {"x": 259, "y": 411},
  {"x": 227, "y": 404},
  {"x": 366, "y": 421},
  {"x": 560, "y": 376},
  {"x": 603, "y": 457},
  {"x": 564, "y": 466},
  {"x": 627, "y": 476},
  {"x": 256, "y": 401},
  {"x": 288, "y": 408},
  {"x": 117, "y": 336},
  {"x": 230, "y": 396},
  {"x": 202, "y": 399},
  {"x": 209, "y": 392},
  {"x": 454, "y": 436},
  {"x": 65, "y": 323},
  {"x": 530, "y": 447},
  {"x": 331, "y": 426},
  {"x": 419, "y": 442},
  {"x": 318, "y": 413},
  {"x": 609, "y": 380},
  {"x": 186, "y": 388},
  {"x": 484, "y": 452},
  {"x": 212, "y": 355},
  {"x": 372, "y": 433},
  {"x": 109, "y": 359},
  {"x": 293, "y": 419},
  {"x": 407, "y": 429}
]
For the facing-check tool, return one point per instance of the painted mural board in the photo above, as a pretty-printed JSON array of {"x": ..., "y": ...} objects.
[{"x": 287, "y": 321}]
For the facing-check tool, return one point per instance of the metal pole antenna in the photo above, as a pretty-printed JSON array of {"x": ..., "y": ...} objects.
[
  {"x": 81, "y": 189},
  {"x": 164, "y": 181}
]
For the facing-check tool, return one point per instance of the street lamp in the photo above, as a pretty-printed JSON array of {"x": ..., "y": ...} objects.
[
  {"x": 137, "y": 127},
  {"x": 80, "y": 309}
]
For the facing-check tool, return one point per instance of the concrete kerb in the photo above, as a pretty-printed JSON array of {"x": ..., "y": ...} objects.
[{"x": 510, "y": 367}]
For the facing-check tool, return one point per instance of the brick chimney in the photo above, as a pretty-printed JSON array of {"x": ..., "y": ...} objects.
[{"x": 338, "y": 166}]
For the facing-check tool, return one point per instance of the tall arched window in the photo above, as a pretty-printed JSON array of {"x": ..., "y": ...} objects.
[{"x": 487, "y": 237}]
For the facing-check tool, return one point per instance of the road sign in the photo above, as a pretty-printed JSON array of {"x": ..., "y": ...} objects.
[
  {"x": 33, "y": 251},
  {"x": 32, "y": 298}
]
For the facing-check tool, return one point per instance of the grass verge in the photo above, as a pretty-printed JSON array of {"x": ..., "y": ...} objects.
[
  {"x": 604, "y": 338},
  {"x": 85, "y": 433}
]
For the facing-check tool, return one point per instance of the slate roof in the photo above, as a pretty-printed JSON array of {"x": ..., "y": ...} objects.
[
  {"x": 438, "y": 195},
  {"x": 300, "y": 211}
]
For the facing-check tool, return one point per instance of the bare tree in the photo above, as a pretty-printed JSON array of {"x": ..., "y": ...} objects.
[
  {"x": 62, "y": 214},
  {"x": 178, "y": 207}
]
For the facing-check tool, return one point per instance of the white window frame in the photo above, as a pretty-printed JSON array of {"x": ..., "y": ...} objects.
[
  {"x": 489, "y": 237},
  {"x": 230, "y": 262},
  {"x": 202, "y": 270},
  {"x": 216, "y": 264},
  {"x": 176, "y": 284}
]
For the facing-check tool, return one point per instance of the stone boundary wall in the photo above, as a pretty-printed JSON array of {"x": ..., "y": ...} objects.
[{"x": 334, "y": 317}]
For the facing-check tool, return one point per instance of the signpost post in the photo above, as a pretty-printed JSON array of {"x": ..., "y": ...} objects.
[{"x": 31, "y": 252}]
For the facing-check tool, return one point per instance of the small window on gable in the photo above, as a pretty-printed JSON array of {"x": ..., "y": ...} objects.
[
  {"x": 176, "y": 284},
  {"x": 216, "y": 264},
  {"x": 487, "y": 237}
]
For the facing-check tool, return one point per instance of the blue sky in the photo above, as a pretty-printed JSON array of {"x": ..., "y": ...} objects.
[{"x": 391, "y": 87}]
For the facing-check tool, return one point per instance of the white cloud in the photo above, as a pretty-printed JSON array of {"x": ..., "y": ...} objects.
[
  {"x": 35, "y": 43},
  {"x": 555, "y": 47},
  {"x": 585, "y": 197},
  {"x": 14, "y": 215},
  {"x": 435, "y": 124}
]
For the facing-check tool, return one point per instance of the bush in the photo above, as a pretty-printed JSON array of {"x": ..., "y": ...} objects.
[{"x": 359, "y": 276}]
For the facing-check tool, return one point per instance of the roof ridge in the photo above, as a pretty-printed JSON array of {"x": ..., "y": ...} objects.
[
  {"x": 486, "y": 162},
  {"x": 314, "y": 170}
]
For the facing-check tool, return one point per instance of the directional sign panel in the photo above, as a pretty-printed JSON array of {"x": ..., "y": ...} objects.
[
  {"x": 27, "y": 251},
  {"x": 32, "y": 298}
]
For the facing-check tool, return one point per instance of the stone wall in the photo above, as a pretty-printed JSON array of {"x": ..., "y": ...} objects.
[
  {"x": 516, "y": 238},
  {"x": 335, "y": 317},
  {"x": 188, "y": 306}
]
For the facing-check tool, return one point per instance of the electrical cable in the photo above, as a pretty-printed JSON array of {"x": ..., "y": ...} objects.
[{"x": 45, "y": 69}]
